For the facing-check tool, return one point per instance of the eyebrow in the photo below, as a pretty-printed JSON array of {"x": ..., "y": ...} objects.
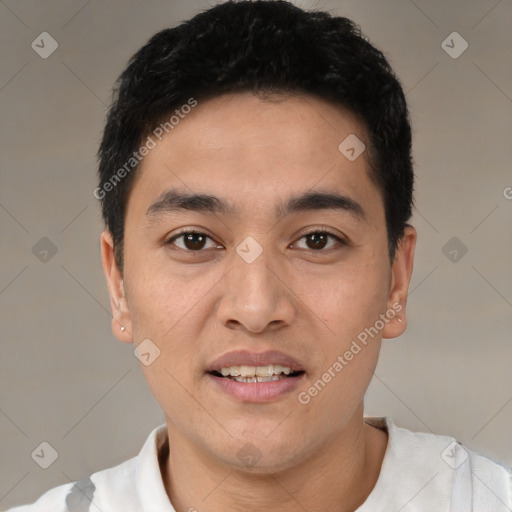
[{"x": 175, "y": 201}]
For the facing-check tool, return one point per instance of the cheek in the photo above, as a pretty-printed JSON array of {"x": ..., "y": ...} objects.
[
  {"x": 347, "y": 306},
  {"x": 348, "y": 303},
  {"x": 169, "y": 309},
  {"x": 166, "y": 309},
  {"x": 161, "y": 300},
  {"x": 347, "y": 299}
]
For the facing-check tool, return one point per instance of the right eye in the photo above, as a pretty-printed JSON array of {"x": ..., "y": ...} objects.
[{"x": 192, "y": 241}]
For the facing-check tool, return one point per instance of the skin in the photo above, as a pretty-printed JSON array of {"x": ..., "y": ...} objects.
[{"x": 309, "y": 303}]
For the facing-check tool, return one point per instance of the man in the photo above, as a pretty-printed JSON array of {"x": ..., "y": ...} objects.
[{"x": 256, "y": 184}]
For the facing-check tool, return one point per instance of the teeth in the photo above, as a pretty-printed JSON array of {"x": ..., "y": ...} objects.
[
  {"x": 255, "y": 371},
  {"x": 258, "y": 379},
  {"x": 281, "y": 369},
  {"x": 265, "y": 371},
  {"x": 247, "y": 371}
]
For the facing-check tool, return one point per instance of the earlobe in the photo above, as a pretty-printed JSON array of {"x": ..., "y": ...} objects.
[
  {"x": 121, "y": 320},
  {"x": 401, "y": 273}
]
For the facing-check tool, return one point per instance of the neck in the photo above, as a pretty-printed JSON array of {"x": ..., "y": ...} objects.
[{"x": 337, "y": 476}]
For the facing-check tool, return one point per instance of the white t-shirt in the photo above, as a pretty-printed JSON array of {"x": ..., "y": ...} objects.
[{"x": 420, "y": 473}]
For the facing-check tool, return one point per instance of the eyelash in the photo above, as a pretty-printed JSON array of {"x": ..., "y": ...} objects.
[{"x": 315, "y": 231}]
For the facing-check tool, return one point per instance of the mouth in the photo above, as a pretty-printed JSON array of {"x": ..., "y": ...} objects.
[
  {"x": 256, "y": 384},
  {"x": 255, "y": 377},
  {"x": 257, "y": 374}
]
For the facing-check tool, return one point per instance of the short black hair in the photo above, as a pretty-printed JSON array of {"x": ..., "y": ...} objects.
[{"x": 266, "y": 47}]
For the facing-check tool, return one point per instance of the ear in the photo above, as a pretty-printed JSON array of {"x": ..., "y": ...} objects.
[
  {"x": 401, "y": 273},
  {"x": 120, "y": 313}
]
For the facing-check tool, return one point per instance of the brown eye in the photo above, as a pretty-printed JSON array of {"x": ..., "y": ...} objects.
[
  {"x": 319, "y": 240},
  {"x": 192, "y": 241}
]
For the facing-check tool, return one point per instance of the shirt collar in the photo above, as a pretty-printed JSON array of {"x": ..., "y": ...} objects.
[
  {"x": 400, "y": 463},
  {"x": 148, "y": 481},
  {"x": 413, "y": 476}
]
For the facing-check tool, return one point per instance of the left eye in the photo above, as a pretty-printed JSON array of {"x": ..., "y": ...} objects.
[{"x": 318, "y": 240}]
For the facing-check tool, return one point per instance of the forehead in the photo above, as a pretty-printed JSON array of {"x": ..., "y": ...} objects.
[{"x": 252, "y": 151}]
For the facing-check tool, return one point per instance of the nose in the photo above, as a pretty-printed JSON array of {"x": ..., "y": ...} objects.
[{"x": 257, "y": 296}]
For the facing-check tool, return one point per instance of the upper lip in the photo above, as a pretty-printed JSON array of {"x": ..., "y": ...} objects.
[{"x": 247, "y": 358}]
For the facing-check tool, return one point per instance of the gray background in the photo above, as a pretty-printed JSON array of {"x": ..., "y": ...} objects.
[{"x": 66, "y": 380}]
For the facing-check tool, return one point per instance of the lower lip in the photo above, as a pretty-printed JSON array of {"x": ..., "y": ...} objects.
[{"x": 258, "y": 392}]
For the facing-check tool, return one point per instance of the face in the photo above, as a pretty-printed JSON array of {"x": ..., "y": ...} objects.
[{"x": 287, "y": 263}]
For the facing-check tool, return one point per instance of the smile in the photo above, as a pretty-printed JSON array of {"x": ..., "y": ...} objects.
[{"x": 244, "y": 373}]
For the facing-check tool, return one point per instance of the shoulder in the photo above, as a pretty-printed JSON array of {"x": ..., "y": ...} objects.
[
  {"x": 100, "y": 491},
  {"x": 491, "y": 481},
  {"x": 54, "y": 499},
  {"x": 131, "y": 486},
  {"x": 459, "y": 473}
]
